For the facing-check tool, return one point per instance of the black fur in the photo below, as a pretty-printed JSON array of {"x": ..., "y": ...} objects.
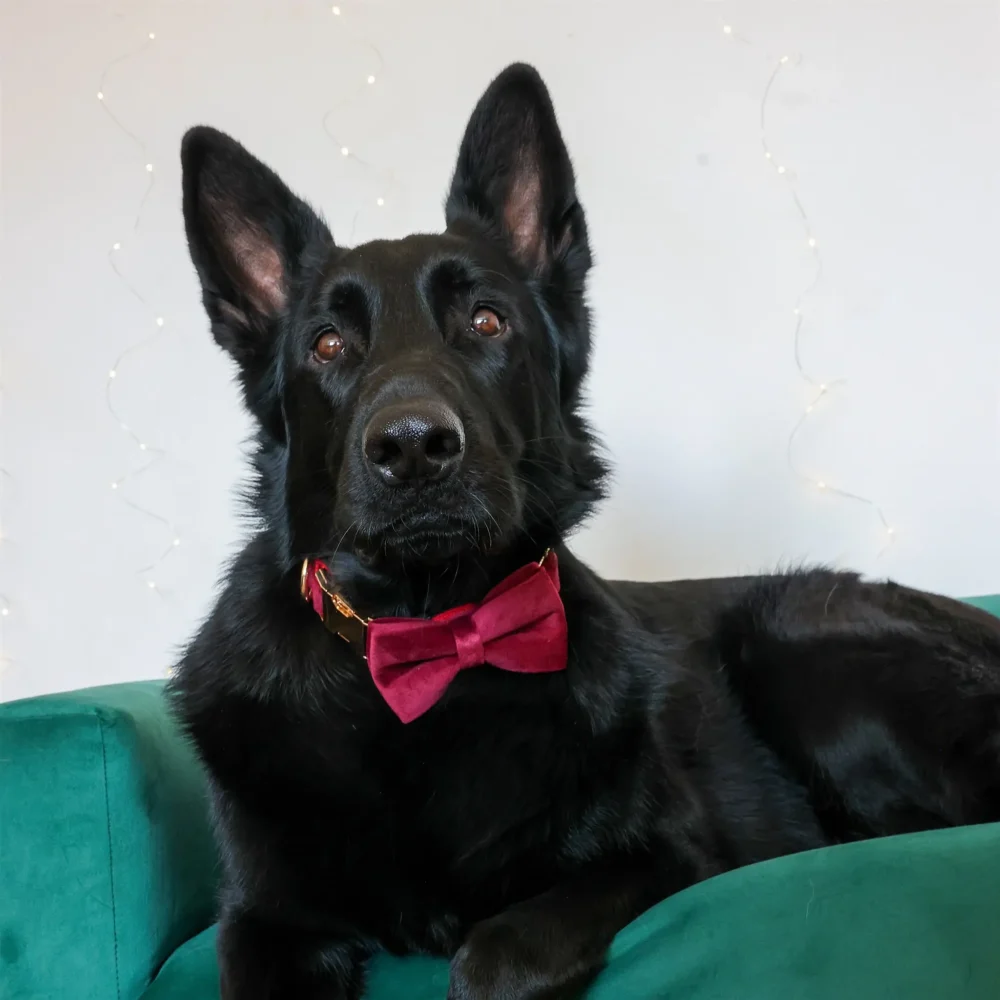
[{"x": 520, "y": 823}]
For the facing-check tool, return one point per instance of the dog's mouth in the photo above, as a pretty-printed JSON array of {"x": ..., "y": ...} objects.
[
  {"x": 432, "y": 528},
  {"x": 425, "y": 538}
]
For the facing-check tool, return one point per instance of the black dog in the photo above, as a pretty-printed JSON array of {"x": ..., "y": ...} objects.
[{"x": 419, "y": 433}]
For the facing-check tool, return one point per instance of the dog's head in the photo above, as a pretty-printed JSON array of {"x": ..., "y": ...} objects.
[{"x": 417, "y": 398}]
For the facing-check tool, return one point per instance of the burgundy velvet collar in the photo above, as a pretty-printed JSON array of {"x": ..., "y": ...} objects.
[{"x": 519, "y": 626}]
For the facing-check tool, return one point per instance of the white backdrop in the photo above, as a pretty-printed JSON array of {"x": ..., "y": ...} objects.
[{"x": 885, "y": 119}]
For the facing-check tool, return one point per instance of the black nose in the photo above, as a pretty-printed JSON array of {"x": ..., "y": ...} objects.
[{"x": 414, "y": 441}]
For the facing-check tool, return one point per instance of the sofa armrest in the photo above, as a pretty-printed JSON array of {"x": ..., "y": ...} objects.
[{"x": 107, "y": 861}]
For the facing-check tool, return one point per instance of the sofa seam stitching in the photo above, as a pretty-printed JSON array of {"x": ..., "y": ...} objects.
[{"x": 111, "y": 857}]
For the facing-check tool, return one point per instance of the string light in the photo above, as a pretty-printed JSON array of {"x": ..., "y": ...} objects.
[
  {"x": 336, "y": 11},
  {"x": 822, "y": 389},
  {"x": 386, "y": 178},
  {"x": 151, "y": 454}
]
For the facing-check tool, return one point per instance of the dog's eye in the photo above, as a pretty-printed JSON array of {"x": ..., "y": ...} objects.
[
  {"x": 328, "y": 346},
  {"x": 487, "y": 323}
]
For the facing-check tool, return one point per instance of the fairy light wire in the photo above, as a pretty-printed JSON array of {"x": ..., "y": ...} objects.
[
  {"x": 822, "y": 388},
  {"x": 386, "y": 178},
  {"x": 153, "y": 454}
]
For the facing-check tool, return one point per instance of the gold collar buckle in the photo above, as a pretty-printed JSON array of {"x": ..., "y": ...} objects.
[{"x": 337, "y": 615}]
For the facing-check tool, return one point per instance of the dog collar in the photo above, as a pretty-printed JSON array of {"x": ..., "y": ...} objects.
[
  {"x": 519, "y": 626},
  {"x": 336, "y": 612}
]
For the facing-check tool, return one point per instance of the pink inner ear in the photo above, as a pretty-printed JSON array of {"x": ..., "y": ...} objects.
[
  {"x": 523, "y": 215},
  {"x": 260, "y": 269}
]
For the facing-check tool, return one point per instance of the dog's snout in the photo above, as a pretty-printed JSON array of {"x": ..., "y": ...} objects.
[{"x": 415, "y": 441}]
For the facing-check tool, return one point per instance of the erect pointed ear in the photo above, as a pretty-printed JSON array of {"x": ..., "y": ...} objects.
[
  {"x": 247, "y": 234},
  {"x": 514, "y": 174}
]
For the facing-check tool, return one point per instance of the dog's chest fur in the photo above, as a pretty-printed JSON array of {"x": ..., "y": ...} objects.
[
  {"x": 335, "y": 814},
  {"x": 331, "y": 808}
]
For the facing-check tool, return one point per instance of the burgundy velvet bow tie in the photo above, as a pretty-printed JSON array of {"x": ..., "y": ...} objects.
[{"x": 520, "y": 626}]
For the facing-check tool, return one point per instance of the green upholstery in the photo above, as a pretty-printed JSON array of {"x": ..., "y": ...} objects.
[
  {"x": 106, "y": 856},
  {"x": 108, "y": 876},
  {"x": 905, "y": 918},
  {"x": 989, "y": 603}
]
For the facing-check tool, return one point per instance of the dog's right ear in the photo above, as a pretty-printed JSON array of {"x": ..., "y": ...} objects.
[{"x": 247, "y": 235}]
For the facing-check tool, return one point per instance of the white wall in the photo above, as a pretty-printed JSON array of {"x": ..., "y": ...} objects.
[{"x": 889, "y": 130}]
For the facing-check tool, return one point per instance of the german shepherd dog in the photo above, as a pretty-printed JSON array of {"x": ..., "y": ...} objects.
[{"x": 428, "y": 727}]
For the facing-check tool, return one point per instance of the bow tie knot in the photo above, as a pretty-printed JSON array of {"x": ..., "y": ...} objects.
[{"x": 469, "y": 648}]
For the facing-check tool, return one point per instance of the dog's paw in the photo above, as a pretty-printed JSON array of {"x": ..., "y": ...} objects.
[{"x": 504, "y": 960}]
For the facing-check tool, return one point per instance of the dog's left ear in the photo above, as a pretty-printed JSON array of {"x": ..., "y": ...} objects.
[{"x": 514, "y": 174}]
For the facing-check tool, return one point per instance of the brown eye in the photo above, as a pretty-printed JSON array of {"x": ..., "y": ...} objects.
[
  {"x": 487, "y": 323},
  {"x": 328, "y": 346}
]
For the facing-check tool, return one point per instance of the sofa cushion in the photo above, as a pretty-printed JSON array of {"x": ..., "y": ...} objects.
[
  {"x": 106, "y": 858},
  {"x": 990, "y": 603},
  {"x": 915, "y": 917}
]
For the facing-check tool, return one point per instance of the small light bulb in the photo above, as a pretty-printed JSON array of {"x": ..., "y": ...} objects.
[
  {"x": 4, "y": 612},
  {"x": 809, "y": 408},
  {"x": 380, "y": 202},
  {"x": 152, "y": 35},
  {"x": 371, "y": 79},
  {"x": 159, "y": 321},
  {"x": 890, "y": 531},
  {"x": 177, "y": 542},
  {"x": 821, "y": 485},
  {"x": 344, "y": 151},
  {"x": 727, "y": 29},
  {"x": 784, "y": 59},
  {"x": 114, "y": 486},
  {"x": 812, "y": 242},
  {"x": 112, "y": 373},
  {"x": 822, "y": 388},
  {"x": 781, "y": 170},
  {"x": 100, "y": 95},
  {"x": 336, "y": 12},
  {"x": 142, "y": 446},
  {"x": 151, "y": 585},
  {"x": 796, "y": 311},
  {"x": 149, "y": 167},
  {"x": 116, "y": 246},
  {"x": 767, "y": 155}
]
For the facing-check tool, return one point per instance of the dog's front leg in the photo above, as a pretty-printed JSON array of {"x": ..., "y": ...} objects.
[
  {"x": 551, "y": 946},
  {"x": 262, "y": 960}
]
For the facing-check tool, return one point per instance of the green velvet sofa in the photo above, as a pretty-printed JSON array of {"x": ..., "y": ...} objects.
[{"x": 108, "y": 876}]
